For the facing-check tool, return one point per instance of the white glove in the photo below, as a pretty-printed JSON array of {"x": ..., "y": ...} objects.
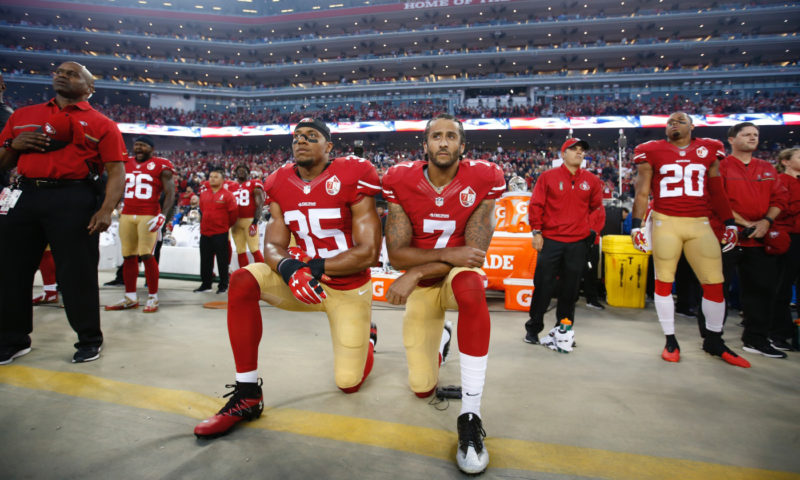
[{"x": 156, "y": 222}]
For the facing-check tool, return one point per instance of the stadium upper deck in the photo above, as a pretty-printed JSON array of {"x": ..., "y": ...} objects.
[{"x": 418, "y": 48}]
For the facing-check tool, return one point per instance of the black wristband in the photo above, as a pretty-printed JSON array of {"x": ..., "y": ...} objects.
[
  {"x": 636, "y": 223},
  {"x": 771, "y": 221},
  {"x": 287, "y": 267},
  {"x": 730, "y": 222},
  {"x": 317, "y": 267}
]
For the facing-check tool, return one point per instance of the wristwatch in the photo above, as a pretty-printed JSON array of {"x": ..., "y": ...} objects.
[
  {"x": 7, "y": 145},
  {"x": 536, "y": 232}
]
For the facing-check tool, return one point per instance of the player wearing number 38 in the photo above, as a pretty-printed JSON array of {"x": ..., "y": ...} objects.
[
  {"x": 682, "y": 172},
  {"x": 328, "y": 206},
  {"x": 142, "y": 218}
]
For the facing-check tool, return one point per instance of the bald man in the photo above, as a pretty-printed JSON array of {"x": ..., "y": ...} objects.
[{"x": 60, "y": 148}]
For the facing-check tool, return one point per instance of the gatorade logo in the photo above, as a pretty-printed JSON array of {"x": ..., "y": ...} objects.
[
  {"x": 502, "y": 262},
  {"x": 377, "y": 288},
  {"x": 524, "y": 297}
]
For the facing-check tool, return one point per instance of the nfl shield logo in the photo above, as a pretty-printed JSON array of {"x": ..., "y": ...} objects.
[
  {"x": 332, "y": 185},
  {"x": 439, "y": 201},
  {"x": 467, "y": 197},
  {"x": 306, "y": 189}
]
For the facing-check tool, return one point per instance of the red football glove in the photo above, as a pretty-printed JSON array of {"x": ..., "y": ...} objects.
[
  {"x": 155, "y": 223},
  {"x": 298, "y": 254},
  {"x": 729, "y": 238},
  {"x": 639, "y": 240},
  {"x": 303, "y": 285},
  {"x": 253, "y": 230}
]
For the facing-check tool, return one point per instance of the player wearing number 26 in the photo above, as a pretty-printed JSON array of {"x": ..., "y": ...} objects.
[
  {"x": 682, "y": 172},
  {"x": 146, "y": 177},
  {"x": 327, "y": 205}
]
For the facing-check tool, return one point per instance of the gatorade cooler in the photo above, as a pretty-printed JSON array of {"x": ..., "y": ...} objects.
[
  {"x": 625, "y": 271},
  {"x": 381, "y": 281},
  {"x": 518, "y": 293}
]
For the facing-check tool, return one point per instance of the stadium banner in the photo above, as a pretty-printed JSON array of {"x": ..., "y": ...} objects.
[
  {"x": 791, "y": 118},
  {"x": 539, "y": 123},
  {"x": 160, "y": 130},
  {"x": 604, "y": 122},
  {"x": 517, "y": 123},
  {"x": 409, "y": 125}
]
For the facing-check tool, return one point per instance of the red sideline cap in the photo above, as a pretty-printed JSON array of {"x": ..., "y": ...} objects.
[
  {"x": 571, "y": 142},
  {"x": 777, "y": 242},
  {"x": 59, "y": 127}
]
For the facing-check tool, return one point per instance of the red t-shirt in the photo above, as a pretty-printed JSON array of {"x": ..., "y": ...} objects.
[
  {"x": 245, "y": 197},
  {"x": 679, "y": 184},
  {"x": 565, "y": 207},
  {"x": 143, "y": 185},
  {"x": 439, "y": 220},
  {"x": 96, "y": 140},
  {"x": 318, "y": 213},
  {"x": 219, "y": 211}
]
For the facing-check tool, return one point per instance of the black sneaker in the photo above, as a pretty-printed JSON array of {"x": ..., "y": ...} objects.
[
  {"x": 86, "y": 354},
  {"x": 595, "y": 305},
  {"x": 781, "y": 345},
  {"x": 8, "y": 354},
  {"x": 471, "y": 455},
  {"x": 446, "y": 350},
  {"x": 688, "y": 313},
  {"x": 202, "y": 289},
  {"x": 221, "y": 290},
  {"x": 767, "y": 350},
  {"x": 246, "y": 403},
  {"x": 532, "y": 338},
  {"x": 117, "y": 282},
  {"x": 373, "y": 335}
]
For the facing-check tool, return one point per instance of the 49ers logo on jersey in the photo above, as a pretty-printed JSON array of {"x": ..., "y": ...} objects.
[
  {"x": 467, "y": 197},
  {"x": 151, "y": 165},
  {"x": 584, "y": 185},
  {"x": 702, "y": 152},
  {"x": 332, "y": 185}
]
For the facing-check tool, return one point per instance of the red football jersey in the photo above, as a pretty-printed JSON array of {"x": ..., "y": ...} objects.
[
  {"x": 318, "y": 212},
  {"x": 245, "y": 198},
  {"x": 439, "y": 219},
  {"x": 143, "y": 185},
  {"x": 679, "y": 184}
]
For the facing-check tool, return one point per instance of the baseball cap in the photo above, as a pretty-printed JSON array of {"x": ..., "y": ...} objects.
[
  {"x": 571, "y": 142},
  {"x": 317, "y": 125},
  {"x": 777, "y": 242}
]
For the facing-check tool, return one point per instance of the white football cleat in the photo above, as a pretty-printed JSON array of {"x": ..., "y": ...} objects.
[{"x": 471, "y": 455}]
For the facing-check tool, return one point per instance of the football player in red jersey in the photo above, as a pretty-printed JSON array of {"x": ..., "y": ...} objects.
[
  {"x": 328, "y": 206},
  {"x": 440, "y": 223},
  {"x": 146, "y": 177},
  {"x": 683, "y": 174},
  {"x": 250, "y": 198}
]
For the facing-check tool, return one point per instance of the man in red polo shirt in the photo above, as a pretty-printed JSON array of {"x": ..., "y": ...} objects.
[
  {"x": 219, "y": 212},
  {"x": 566, "y": 212},
  {"x": 59, "y": 148},
  {"x": 756, "y": 197}
]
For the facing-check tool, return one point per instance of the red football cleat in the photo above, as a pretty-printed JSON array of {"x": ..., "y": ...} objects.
[
  {"x": 238, "y": 408},
  {"x": 45, "y": 298},
  {"x": 673, "y": 356},
  {"x": 734, "y": 359}
]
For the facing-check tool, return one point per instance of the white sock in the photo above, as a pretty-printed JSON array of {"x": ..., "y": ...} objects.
[
  {"x": 714, "y": 313},
  {"x": 665, "y": 309},
  {"x": 445, "y": 339},
  {"x": 473, "y": 374},
  {"x": 131, "y": 296},
  {"x": 154, "y": 296},
  {"x": 50, "y": 288},
  {"x": 247, "y": 377}
]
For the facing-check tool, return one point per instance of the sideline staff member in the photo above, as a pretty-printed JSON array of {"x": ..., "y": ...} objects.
[
  {"x": 57, "y": 147},
  {"x": 565, "y": 212},
  {"x": 219, "y": 213}
]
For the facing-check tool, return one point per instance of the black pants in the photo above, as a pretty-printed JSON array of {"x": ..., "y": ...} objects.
[
  {"x": 58, "y": 216},
  {"x": 757, "y": 272},
  {"x": 557, "y": 259},
  {"x": 210, "y": 247},
  {"x": 782, "y": 326},
  {"x": 591, "y": 282}
]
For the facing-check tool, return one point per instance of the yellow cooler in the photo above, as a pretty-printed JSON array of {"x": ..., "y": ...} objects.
[{"x": 625, "y": 272}]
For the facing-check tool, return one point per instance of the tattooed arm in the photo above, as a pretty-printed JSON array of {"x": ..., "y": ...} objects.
[{"x": 479, "y": 230}]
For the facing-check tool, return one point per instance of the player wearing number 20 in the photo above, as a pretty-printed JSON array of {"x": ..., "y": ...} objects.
[
  {"x": 683, "y": 174},
  {"x": 328, "y": 206},
  {"x": 146, "y": 177}
]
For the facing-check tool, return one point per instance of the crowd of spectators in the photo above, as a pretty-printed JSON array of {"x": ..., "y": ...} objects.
[{"x": 555, "y": 106}]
